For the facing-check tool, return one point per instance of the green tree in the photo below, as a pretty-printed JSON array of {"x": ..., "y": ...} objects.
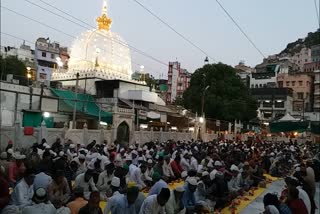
[
  {"x": 12, "y": 65},
  {"x": 149, "y": 79},
  {"x": 226, "y": 98}
]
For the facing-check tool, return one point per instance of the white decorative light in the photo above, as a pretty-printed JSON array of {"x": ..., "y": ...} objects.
[
  {"x": 103, "y": 123},
  {"x": 46, "y": 114}
]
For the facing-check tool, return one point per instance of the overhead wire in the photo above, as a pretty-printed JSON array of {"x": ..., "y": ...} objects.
[
  {"x": 241, "y": 30},
  {"x": 53, "y": 28},
  {"x": 317, "y": 11},
  {"x": 173, "y": 29}
]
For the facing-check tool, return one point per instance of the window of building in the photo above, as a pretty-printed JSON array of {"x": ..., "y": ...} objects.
[
  {"x": 260, "y": 85},
  {"x": 300, "y": 95},
  {"x": 44, "y": 54},
  {"x": 308, "y": 83},
  {"x": 300, "y": 83},
  {"x": 279, "y": 104},
  {"x": 293, "y": 83},
  {"x": 306, "y": 60},
  {"x": 287, "y": 83},
  {"x": 52, "y": 56},
  {"x": 267, "y": 104},
  {"x": 280, "y": 83}
]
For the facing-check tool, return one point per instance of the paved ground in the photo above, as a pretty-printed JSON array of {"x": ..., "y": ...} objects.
[{"x": 276, "y": 187}]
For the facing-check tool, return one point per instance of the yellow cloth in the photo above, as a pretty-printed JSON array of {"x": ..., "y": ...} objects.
[
  {"x": 244, "y": 203},
  {"x": 227, "y": 210}
]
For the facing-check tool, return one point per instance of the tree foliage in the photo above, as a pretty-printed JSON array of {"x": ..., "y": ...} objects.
[
  {"x": 12, "y": 65},
  {"x": 227, "y": 98}
]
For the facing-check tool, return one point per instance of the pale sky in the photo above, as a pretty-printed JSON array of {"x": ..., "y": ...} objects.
[{"x": 271, "y": 24}]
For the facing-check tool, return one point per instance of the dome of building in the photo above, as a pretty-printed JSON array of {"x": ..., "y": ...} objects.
[{"x": 101, "y": 52}]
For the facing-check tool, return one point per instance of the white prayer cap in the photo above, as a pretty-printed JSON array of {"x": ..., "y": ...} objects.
[
  {"x": 296, "y": 165},
  {"x": 139, "y": 149},
  {"x": 131, "y": 147},
  {"x": 234, "y": 168},
  {"x": 150, "y": 161},
  {"x": 292, "y": 148},
  {"x": 134, "y": 152},
  {"x": 192, "y": 181},
  {"x": 213, "y": 174},
  {"x": 205, "y": 173},
  {"x": 210, "y": 164},
  {"x": 10, "y": 151},
  {"x": 184, "y": 174},
  {"x": 115, "y": 182},
  {"x": 217, "y": 163},
  {"x": 140, "y": 158},
  {"x": 19, "y": 157},
  {"x": 297, "y": 169},
  {"x": 200, "y": 167},
  {"x": 272, "y": 154},
  {"x": 145, "y": 148},
  {"x": 122, "y": 150},
  {"x": 72, "y": 146},
  {"x": 179, "y": 189}
]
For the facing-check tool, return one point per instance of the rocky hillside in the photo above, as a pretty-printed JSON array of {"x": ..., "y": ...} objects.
[{"x": 294, "y": 47}]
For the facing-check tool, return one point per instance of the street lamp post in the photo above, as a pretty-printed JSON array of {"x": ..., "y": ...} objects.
[
  {"x": 28, "y": 75},
  {"x": 206, "y": 60},
  {"x": 202, "y": 103}
]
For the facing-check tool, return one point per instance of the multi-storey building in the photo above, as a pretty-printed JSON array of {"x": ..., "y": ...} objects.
[
  {"x": 48, "y": 56},
  {"x": 274, "y": 103},
  {"x": 178, "y": 81},
  {"x": 24, "y": 53},
  {"x": 302, "y": 57},
  {"x": 316, "y": 95},
  {"x": 244, "y": 72},
  {"x": 315, "y": 53},
  {"x": 301, "y": 84}
]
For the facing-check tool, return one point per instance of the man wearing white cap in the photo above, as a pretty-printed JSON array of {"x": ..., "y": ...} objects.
[
  {"x": 147, "y": 176},
  {"x": 188, "y": 199},
  {"x": 193, "y": 163},
  {"x": 135, "y": 175},
  {"x": 71, "y": 152},
  {"x": 174, "y": 204},
  {"x": 233, "y": 184},
  {"x": 135, "y": 158},
  {"x": 185, "y": 164},
  {"x": 81, "y": 163},
  {"x": 16, "y": 168},
  {"x": 40, "y": 205},
  {"x": 113, "y": 200},
  {"x": 23, "y": 192}
]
